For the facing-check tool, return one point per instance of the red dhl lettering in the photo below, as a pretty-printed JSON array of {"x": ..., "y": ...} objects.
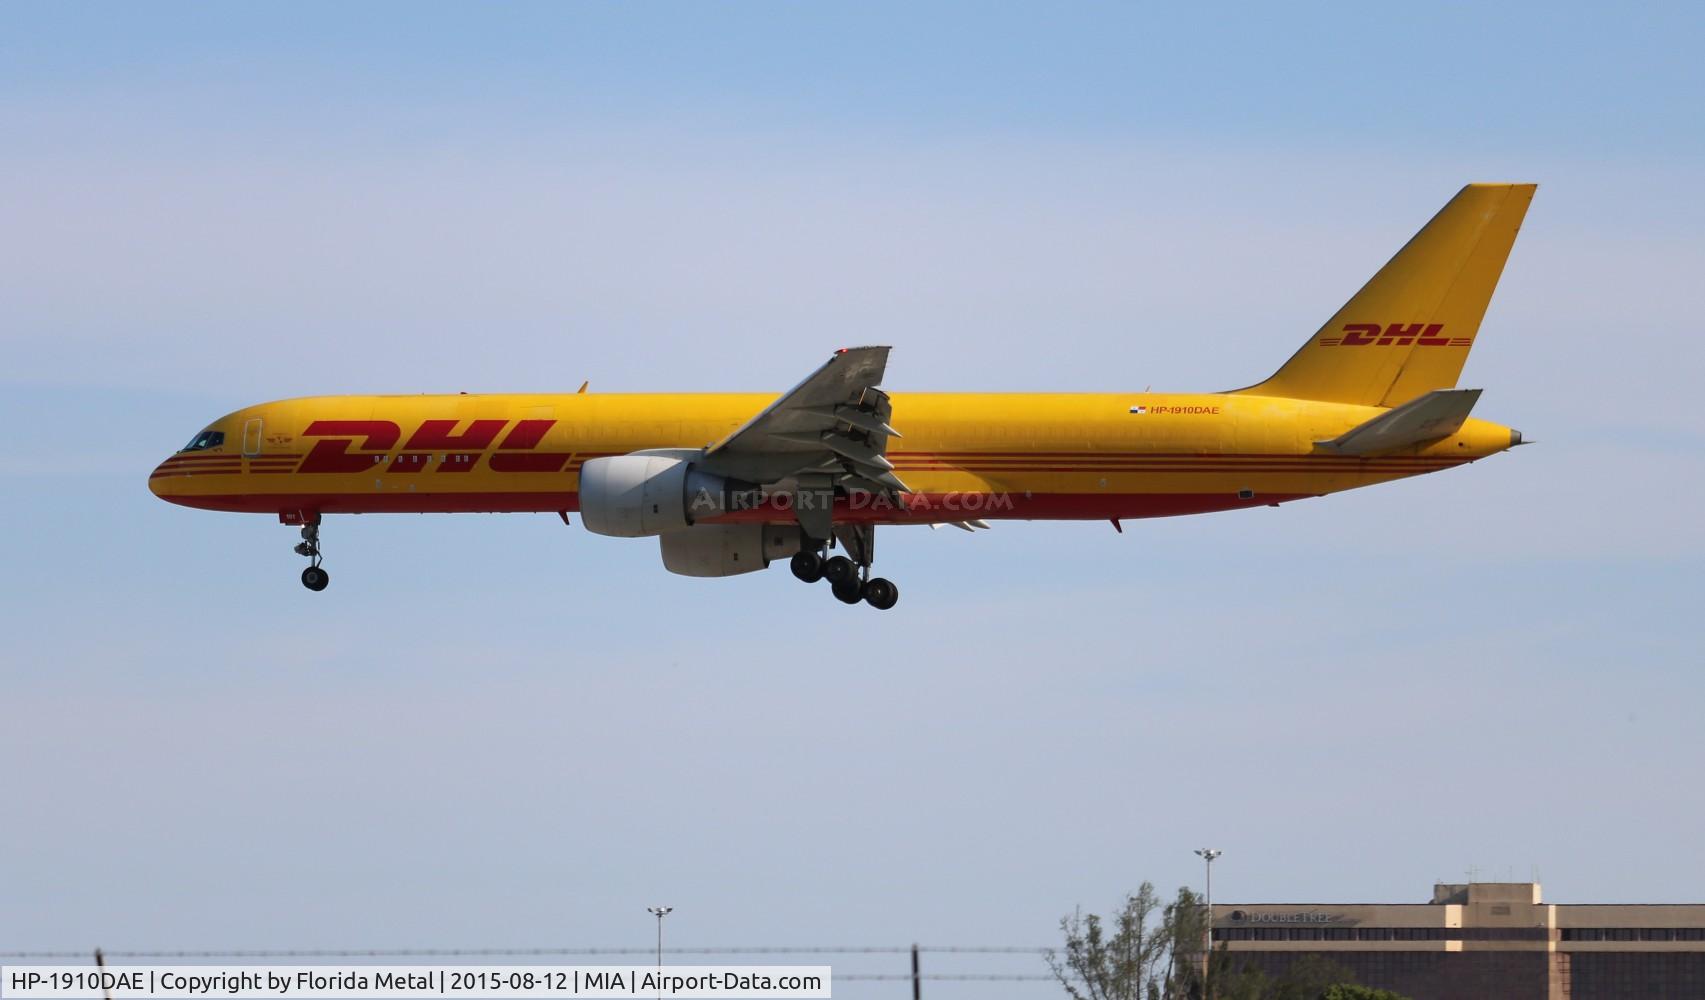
[
  {"x": 333, "y": 455},
  {"x": 374, "y": 439},
  {"x": 1394, "y": 335}
]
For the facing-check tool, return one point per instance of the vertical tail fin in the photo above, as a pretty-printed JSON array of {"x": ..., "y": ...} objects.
[{"x": 1409, "y": 329}]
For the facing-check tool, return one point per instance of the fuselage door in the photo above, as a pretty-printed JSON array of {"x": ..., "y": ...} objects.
[{"x": 251, "y": 437}]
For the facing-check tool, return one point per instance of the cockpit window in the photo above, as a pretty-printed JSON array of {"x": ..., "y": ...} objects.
[{"x": 205, "y": 440}]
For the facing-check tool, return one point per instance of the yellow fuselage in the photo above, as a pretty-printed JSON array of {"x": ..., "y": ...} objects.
[{"x": 963, "y": 455}]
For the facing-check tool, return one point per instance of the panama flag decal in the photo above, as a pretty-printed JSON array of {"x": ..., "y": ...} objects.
[{"x": 1139, "y": 409}]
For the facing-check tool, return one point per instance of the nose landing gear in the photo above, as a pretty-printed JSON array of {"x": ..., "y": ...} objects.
[{"x": 314, "y": 577}]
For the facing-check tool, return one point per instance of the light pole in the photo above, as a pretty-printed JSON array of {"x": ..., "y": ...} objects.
[
  {"x": 1208, "y": 854},
  {"x": 660, "y": 912}
]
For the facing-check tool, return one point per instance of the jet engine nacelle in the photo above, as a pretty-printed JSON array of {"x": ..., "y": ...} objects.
[
  {"x": 727, "y": 549},
  {"x": 632, "y": 496}
]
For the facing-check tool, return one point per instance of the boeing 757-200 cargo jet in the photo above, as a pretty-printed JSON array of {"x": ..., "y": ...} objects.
[{"x": 729, "y": 482}]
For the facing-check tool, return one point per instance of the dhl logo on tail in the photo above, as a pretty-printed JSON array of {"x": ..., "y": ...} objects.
[{"x": 1396, "y": 334}]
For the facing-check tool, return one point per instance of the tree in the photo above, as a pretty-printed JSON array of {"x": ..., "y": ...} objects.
[
  {"x": 1311, "y": 977},
  {"x": 1150, "y": 951},
  {"x": 1144, "y": 951},
  {"x": 1348, "y": 991}
]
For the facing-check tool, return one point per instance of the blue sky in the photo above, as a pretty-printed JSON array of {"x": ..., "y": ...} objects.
[{"x": 497, "y": 730}]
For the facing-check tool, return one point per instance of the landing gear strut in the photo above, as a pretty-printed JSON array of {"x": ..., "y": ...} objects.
[
  {"x": 849, "y": 578},
  {"x": 314, "y": 577}
]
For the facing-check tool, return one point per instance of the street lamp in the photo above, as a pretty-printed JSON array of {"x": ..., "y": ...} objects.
[
  {"x": 660, "y": 912},
  {"x": 1208, "y": 854}
]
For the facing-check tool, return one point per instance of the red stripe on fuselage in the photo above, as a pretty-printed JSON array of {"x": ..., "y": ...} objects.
[{"x": 923, "y": 508}]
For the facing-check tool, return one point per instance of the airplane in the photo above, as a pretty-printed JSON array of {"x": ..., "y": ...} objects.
[{"x": 731, "y": 482}]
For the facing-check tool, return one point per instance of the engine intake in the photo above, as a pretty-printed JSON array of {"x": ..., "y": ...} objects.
[{"x": 633, "y": 496}]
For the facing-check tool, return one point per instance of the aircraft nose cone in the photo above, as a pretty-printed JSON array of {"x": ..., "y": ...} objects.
[
  {"x": 1515, "y": 437},
  {"x": 157, "y": 481}
]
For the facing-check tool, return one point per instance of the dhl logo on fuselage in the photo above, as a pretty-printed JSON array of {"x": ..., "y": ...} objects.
[
  {"x": 516, "y": 452},
  {"x": 1394, "y": 334}
]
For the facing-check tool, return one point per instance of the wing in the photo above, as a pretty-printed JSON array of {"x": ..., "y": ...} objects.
[{"x": 834, "y": 424}]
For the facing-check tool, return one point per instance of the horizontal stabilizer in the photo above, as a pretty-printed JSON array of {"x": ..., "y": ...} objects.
[{"x": 1425, "y": 418}]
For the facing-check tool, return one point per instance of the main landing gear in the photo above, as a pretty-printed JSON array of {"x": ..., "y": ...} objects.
[
  {"x": 314, "y": 577},
  {"x": 849, "y": 581}
]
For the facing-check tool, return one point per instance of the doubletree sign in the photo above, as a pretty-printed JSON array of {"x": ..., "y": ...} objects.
[{"x": 1300, "y": 917}]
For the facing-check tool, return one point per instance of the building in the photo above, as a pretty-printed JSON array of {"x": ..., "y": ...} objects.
[{"x": 1484, "y": 939}]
